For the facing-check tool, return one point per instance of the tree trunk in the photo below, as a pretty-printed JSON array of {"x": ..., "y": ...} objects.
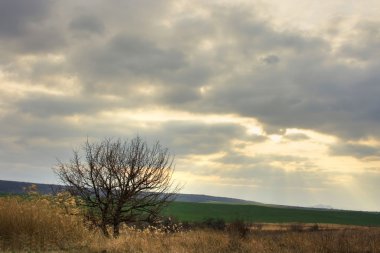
[
  {"x": 103, "y": 227},
  {"x": 103, "y": 224},
  {"x": 116, "y": 230},
  {"x": 116, "y": 223}
]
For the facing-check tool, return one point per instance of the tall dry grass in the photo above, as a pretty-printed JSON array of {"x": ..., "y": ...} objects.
[
  {"x": 45, "y": 223},
  {"x": 210, "y": 241},
  {"x": 40, "y": 223}
]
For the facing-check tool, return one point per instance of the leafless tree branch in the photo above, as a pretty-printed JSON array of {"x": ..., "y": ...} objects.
[{"x": 120, "y": 181}]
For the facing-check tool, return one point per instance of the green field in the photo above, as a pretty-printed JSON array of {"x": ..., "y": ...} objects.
[
  {"x": 197, "y": 212},
  {"x": 186, "y": 211}
]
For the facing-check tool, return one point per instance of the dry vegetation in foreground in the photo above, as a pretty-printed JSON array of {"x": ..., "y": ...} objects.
[{"x": 45, "y": 223}]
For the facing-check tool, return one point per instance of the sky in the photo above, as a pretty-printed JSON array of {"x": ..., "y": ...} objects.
[{"x": 271, "y": 101}]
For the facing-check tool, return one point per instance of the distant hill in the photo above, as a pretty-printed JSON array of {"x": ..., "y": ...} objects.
[
  {"x": 211, "y": 199},
  {"x": 15, "y": 187},
  {"x": 321, "y": 206}
]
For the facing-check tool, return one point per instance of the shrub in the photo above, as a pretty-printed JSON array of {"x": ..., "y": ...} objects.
[
  {"x": 296, "y": 227},
  {"x": 186, "y": 225},
  {"x": 216, "y": 224},
  {"x": 238, "y": 229},
  {"x": 313, "y": 228}
]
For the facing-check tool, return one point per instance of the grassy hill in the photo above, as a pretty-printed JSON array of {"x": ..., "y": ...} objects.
[{"x": 271, "y": 214}]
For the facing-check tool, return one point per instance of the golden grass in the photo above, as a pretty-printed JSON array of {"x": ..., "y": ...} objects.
[
  {"x": 53, "y": 224},
  {"x": 208, "y": 241},
  {"x": 38, "y": 223}
]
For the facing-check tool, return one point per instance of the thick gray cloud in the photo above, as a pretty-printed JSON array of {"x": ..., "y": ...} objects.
[
  {"x": 49, "y": 137},
  {"x": 355, "y": 150},
  {"x": 189, "y": 138},
  {"x": 297, "y": 137},
  {"x": 59, "y": 106},
  {"x": 254, "y": 159},
  {"x": 283, "y": 78},
  {"x": 124, "y": 61},
  {"x": 16, "y": 15},
  {"x": 28, "y": 27},
  {"x": 86, "y": 25},
  {"x": 364, "y": 43}
]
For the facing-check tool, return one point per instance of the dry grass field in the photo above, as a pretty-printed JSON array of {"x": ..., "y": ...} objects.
[{"x": 38, "y": 224}]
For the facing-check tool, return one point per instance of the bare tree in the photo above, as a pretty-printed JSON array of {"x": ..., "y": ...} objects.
[{"x": 120, "y": 181}]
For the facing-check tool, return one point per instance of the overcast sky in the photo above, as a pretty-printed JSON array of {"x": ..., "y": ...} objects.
[{"x": 272, "y": 101}]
